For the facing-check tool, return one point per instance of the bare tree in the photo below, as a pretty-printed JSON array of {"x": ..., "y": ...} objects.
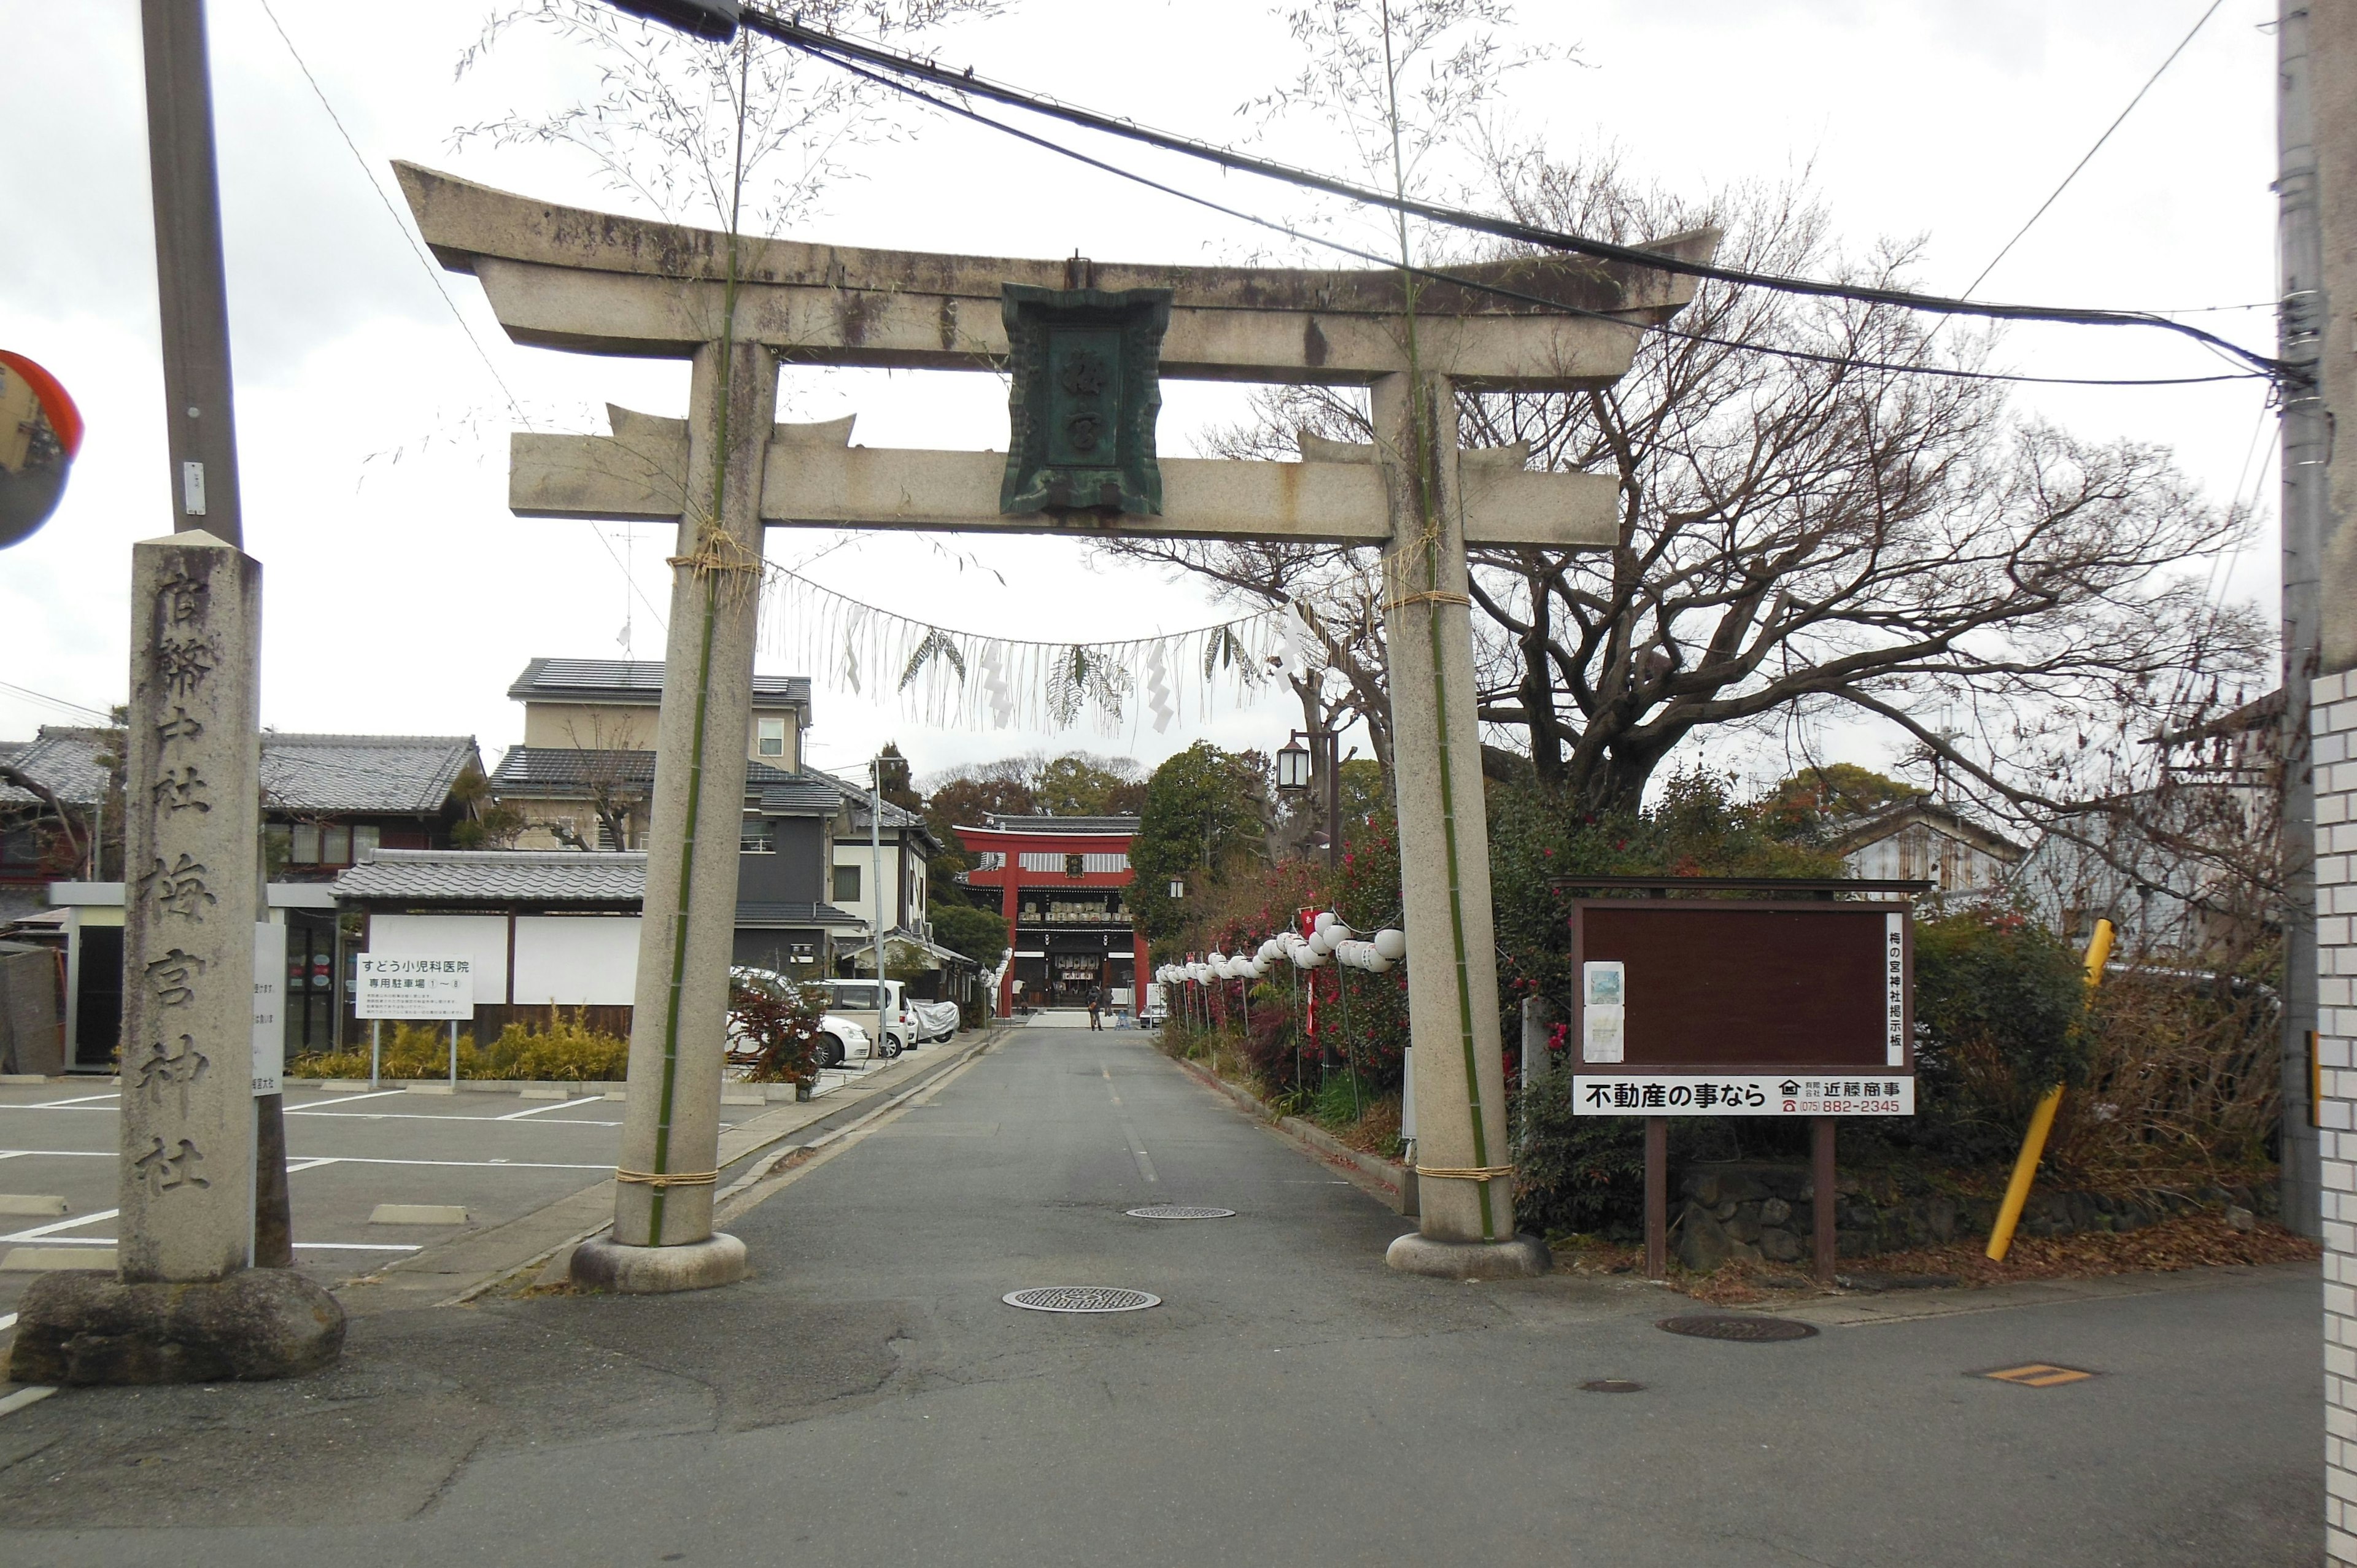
[
  {"x": 1799, "y": 536},
  {"x": 744, "y": 136}
]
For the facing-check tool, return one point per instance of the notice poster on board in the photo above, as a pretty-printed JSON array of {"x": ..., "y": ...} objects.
[{"x": 1603, "y": 1012}]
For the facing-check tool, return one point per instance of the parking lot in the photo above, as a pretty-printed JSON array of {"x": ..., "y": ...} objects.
[{"x": 489, "y": 1150}]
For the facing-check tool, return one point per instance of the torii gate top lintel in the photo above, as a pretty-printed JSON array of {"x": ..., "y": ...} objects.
[{"x": 600, "y": 283}]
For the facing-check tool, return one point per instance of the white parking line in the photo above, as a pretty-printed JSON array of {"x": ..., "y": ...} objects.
[
  {"x": 555, "y": 1105},
  {"x": 349, "y": 1099},
  {"x": 341, "y": 1160},
  {"x": 429, "y": 1116},
  {"x": 7, "y": 1321},
  {"x": 38, "y": 1232},
  {"x": 54, "y": 1104},
  {"x": 300, "y": 1246}
]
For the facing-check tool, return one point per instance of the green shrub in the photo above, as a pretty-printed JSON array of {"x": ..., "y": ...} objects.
[
  {"x": 565, "y": 1049},
  {"x": 2000, "y": 1014},
  {"x": 1577, "y": 1173}
]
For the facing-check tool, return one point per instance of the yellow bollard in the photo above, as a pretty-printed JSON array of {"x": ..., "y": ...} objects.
[{"x": 2042, "y": 1121}]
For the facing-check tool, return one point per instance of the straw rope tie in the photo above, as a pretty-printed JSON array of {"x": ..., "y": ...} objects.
[
  {"x": 1465, "y": 1172},
  {"x": 660, "y": 1180},
  {"x": 1430, "y": 597}
]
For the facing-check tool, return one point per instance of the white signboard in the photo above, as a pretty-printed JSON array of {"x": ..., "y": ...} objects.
[
  {"x": 1603, "y": 988},
  {"x": 410, "y": 985},
  {"x": 269, "y": 1008},
  {"x": 1894, "y": 988},
  {"x": 1694, "y": 1094}
]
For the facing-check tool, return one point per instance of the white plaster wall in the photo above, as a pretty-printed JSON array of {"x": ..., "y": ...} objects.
[
  {"x": 483, "y": 937},
  {"x": 576, "y": 960}
]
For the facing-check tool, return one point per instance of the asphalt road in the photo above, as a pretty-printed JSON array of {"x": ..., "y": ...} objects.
[{"x": 867, "y": 1399}]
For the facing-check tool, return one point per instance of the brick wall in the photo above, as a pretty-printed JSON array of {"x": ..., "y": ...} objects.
[{"x": 2335, "y": 727}]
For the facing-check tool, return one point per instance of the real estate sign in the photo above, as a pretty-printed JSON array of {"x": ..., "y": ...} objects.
[{"x": 413, "y": 985}]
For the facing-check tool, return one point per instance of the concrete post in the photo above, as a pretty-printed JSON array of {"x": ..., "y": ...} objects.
[
  {"x": 2304, "y": 334},
  {"x": 186, "y": 1307},
  {"x": 1538, "y": 1027},
  {"x": 663, "y": 1238},
  {"x": 1465, "y": 1184}
]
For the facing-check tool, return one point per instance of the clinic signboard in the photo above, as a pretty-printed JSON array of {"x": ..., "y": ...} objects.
[{"x": 413, "y": 985}]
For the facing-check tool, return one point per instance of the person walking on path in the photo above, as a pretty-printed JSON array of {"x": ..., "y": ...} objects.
[{"x": 1096, "y": 1009}]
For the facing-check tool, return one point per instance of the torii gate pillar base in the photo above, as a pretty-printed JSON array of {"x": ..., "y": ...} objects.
[
  {"x": 604, "y": 1264},
  {"x": 1523, "y": 1258}
]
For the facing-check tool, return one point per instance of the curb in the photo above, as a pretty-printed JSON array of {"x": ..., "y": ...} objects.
[{"x": 1386, "y": 1179}]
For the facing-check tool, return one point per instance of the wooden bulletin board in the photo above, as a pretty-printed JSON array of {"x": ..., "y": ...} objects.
[{"x": 1747, "y": 987}]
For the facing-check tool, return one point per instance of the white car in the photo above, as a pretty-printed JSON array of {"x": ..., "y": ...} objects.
[
  {"x": 903, "y": 1028},
  {"x": 843, "y": 1040}
]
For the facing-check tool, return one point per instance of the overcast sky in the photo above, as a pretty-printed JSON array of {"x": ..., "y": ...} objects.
[{"x": 401, "y": 598}]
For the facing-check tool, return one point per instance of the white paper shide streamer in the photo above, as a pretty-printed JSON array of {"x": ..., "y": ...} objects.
[{"x": 948, "y": 678}]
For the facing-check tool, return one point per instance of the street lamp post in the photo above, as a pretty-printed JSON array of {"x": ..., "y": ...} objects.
[{"x": 1298, "y": 767}]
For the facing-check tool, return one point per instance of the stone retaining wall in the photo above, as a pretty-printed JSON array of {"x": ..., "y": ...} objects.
[{"x": 1762, "y": 1211}]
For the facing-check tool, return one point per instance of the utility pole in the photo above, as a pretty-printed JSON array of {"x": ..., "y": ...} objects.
[
  {"x": 2304, "y": 314},
  {"x": 875, "y": 894},
  {"x": 200, "y": 423}
]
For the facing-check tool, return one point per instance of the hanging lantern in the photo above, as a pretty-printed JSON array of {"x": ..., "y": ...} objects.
[{"x": 1293, "y": 766}]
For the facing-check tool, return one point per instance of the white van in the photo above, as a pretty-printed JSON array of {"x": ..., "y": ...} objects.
[{"x": 857, "y": 999}]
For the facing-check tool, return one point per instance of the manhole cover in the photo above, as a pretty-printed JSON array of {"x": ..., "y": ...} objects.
[
  {"x": 1181, "y": 1211},
  {"x": 1611, "y": 1386},
  {"x": 1727, "y": 1325},
  {"x": 1081, "y": 1298}
]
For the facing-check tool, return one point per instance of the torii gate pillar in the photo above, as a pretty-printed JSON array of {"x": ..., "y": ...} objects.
[
  {"x": 1465, "y": 1179},
  {"x": 663, "y": 1238}
]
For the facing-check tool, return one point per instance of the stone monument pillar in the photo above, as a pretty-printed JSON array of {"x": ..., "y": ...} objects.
[
  {"x": 189, "y": 901},
  {"x": 187, "y": 1305},
  {"x": 1465, "y": 1181},
  {"x": 663, "y": 1238}
]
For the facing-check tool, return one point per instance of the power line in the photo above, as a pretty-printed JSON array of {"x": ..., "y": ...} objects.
[
  {"x": 72, "y": 710},
  {"x": 434, "y": 276},
  {"x": 1501, "y": 291},
  {"x": 2098, "y": 147},
  {"x": 834, "y": 48}
]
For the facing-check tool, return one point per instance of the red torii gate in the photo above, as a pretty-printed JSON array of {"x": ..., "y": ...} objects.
[{"x": 1066, "y": 847}]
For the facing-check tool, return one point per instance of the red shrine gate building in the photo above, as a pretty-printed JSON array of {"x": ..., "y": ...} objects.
[{"x": 1061, "y": 883}]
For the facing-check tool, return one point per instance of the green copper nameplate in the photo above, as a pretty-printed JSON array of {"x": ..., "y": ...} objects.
[{"x": 1087, "y": 369}]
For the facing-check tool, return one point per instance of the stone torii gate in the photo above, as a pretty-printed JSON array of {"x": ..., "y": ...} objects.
[{"x": 595, "y": 282}]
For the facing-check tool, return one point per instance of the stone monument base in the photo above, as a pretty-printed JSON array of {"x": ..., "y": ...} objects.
[
  {"x": 1519, "y": 1259},
  {"x": 605, "y": 1264},
  {"x": 82, "y": 1326}
]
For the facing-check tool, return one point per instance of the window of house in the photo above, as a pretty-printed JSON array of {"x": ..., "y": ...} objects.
[
  {"x": 335, "y": 846},
  {"x": 366, "y": 841},
  {"x": 771, "y": 736},
  {"x": 304, "y": 850},
  {"x": 846, "y": 884},
  {"x": 757, "y": 836}
]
